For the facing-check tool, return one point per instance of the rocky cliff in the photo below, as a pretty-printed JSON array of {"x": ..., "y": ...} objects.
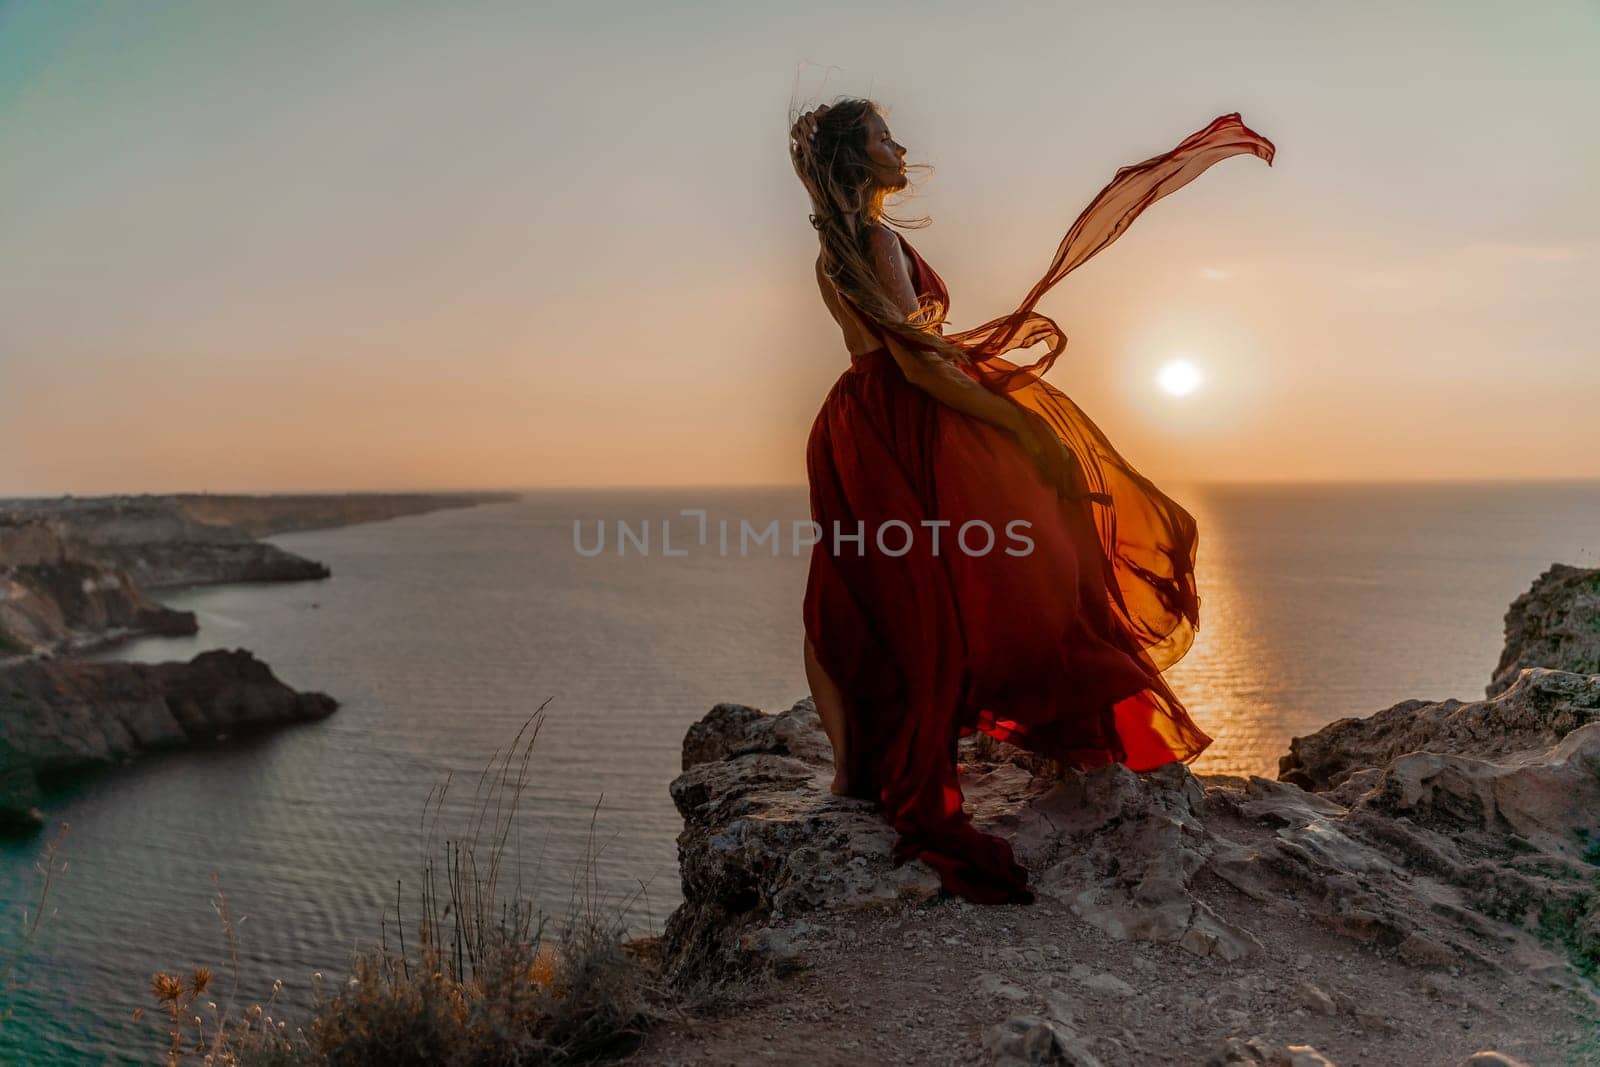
[
  {"x": 1557, "y": 621},
  {"x": 61, "y": 715},
  {"x": 54, "y": 598},
  {"x": 1422, "y": 886}
]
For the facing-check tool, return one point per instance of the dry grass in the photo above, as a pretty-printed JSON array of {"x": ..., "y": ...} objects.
[{"x": 472, "y": 975}]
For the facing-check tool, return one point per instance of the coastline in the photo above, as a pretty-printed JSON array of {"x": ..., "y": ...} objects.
[{"x": 77, "y": 577}]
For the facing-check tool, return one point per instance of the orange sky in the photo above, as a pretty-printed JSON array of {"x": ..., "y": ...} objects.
[{"x": 405, "y": 246}]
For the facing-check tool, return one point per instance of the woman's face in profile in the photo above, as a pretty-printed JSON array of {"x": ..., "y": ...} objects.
[{"x": 886, "y": 155}]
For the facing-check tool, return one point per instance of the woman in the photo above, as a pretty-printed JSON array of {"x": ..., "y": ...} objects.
[{"x": 988, "y": 561}]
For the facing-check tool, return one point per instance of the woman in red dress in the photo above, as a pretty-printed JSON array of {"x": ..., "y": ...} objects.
[{"x": 987, "y": 560}]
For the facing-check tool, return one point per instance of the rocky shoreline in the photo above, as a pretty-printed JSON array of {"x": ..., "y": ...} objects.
[
  {"x": 62, "y": 715},
  {"x": 1420, "y": 886},
  {"x": 75, "y": 572},
  {"x": 75, "y": 576}
]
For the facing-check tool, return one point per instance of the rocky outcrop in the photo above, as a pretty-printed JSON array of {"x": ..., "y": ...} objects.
[
  {"x": 1476, "y": 875},
  {"x": 765, "y": 841},
  {"x": 53, "y": 599},
  {"x": 1539, "y": 709},
  {"x": 1460, "y": 880},
  {"x": 1556, "y": 624},
  {"x": 60, "y": 715},
  {"x": 1454, "y": 845}
]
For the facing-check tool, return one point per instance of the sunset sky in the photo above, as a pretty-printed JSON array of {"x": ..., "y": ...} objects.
[{"x": 392, "y": 245}]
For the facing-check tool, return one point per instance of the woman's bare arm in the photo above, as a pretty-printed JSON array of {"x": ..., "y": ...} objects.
[
  {"x": 950, "y": 385},
  {"x": 938, "y": 377}
]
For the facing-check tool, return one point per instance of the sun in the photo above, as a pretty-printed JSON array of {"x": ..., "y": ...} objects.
[{"x": 1179, "y": 377}]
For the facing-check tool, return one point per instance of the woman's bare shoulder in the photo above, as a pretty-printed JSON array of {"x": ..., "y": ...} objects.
[
  {"x": 893, "y": 266},
  {"x": 884, "y": 243},
  {"x": 889, "y": 261}
]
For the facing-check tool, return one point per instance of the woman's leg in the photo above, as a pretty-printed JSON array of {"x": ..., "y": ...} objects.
[{"x": 830, "y": 708}]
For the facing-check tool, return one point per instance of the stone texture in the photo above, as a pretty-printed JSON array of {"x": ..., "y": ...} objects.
[
  {"x": 1535, "y": 712},
  {"x": 1027, "y": 1040},
  {"x": 1556, "y": 623},
  {"x": 764, "y": 840}
]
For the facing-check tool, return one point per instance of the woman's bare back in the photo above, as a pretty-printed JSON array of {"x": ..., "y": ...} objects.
[{"x": 858, "y": 339}]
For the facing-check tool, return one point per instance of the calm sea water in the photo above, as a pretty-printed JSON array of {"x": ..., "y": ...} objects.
[{"x": 441, "y": 634}]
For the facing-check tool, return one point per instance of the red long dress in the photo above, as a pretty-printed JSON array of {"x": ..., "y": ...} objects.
[{"x": 1058, "y": 648}]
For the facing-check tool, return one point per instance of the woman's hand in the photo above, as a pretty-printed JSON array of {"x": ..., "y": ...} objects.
[{"x": 805, "y": 127}]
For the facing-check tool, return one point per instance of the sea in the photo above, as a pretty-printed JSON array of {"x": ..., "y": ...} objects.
[{"x": 450, "y": 637}]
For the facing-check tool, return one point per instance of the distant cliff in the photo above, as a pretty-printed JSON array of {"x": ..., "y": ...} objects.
[
  {"x": 74, "y": 571},
  {"x": 158, "y": 543},
  {"x": 62, "y": 715},
  {"x": 263, "y": 516},
  {"x": 200, "y": 538}
]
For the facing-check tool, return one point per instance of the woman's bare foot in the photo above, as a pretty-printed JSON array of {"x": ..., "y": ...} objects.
[{"x": 841, "y": 784}]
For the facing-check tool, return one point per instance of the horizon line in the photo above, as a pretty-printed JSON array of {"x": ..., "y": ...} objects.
[{"x": 1229, "y": 483}]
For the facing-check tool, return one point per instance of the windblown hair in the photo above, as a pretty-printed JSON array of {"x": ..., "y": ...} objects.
[{"x": 845, "y": 199}]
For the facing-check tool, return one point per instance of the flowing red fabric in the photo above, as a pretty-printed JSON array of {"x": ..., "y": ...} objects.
[{"x": 1056, "y": 645}]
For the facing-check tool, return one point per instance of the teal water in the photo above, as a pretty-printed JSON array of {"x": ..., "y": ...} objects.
[{"x": 440, "y": 634}]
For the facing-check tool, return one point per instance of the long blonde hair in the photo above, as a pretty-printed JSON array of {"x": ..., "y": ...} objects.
[{"x": 845, "y": 199}]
